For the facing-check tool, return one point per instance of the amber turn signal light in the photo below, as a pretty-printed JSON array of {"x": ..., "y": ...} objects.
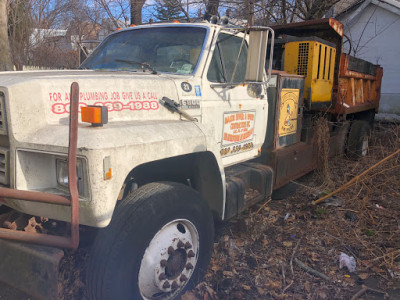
[{"x": 96, "y": 115}]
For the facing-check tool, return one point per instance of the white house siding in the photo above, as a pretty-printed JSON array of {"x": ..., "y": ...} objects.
[{"x": 375, "y": 34}]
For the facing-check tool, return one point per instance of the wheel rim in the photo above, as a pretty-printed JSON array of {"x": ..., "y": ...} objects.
[
  {"x": 169, "y": 260},
  {"x": 364, "y": 146}
]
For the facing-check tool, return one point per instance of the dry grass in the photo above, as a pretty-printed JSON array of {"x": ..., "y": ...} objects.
[{"x": 321, "y": 140}]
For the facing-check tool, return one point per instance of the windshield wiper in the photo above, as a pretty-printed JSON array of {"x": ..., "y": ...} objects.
[
  {"x": 173, "y": 106},
  {"x": 145, "y": 66}
]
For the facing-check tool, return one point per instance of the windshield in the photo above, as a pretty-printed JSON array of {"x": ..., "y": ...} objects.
[{"x": 163, "y": 49}]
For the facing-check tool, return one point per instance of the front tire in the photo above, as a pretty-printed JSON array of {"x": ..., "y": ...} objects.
[{"x": 157, "y": 245}]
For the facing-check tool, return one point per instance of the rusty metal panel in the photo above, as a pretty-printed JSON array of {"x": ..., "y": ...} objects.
[
  {"x": 271, "y": 149},
  {"x": 357, "y": 91},
  {"x": 310, "y": 26},
  {"x": 32, "y": 269},
  {"x": 361, "y": 66},
  {"x": 293, "y": 162}
]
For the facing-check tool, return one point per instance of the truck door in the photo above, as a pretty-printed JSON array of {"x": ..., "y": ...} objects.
[{"x": 238, "y": 116}]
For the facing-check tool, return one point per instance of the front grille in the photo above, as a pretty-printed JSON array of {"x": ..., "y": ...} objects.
[
  {"x": 3, "y": 124},
  {"x": 4, "y": 166},
  {"x": 303, "y": 59}
]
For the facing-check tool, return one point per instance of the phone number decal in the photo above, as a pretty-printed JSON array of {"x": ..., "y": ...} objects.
[
  {"x": 64, "y": 108},
  {"x": 236, "y": 149}
]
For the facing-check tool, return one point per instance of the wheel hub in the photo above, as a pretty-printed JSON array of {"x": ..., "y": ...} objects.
[
  {"x": 175, "y": 263},
  {"x": 169, "y": 260},
  {"x": 364, "y": 147}
]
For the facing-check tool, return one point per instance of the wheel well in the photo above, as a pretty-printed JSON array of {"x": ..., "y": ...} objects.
[
  {"x": 368, "y": 115},
  {"x": 197, "y": 170}
]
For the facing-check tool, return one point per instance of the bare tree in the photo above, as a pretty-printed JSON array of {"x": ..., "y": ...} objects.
[
  {"x": 114, "y": 10},
  {"x": 211, "y": 9},
  {"x": 5, "y": 57},
  {"x": 19, "y": 29},
  {"x": 313, "y": 9},
  {"x": 267, "y": 12},
  {"x": 136, "y": 11}
]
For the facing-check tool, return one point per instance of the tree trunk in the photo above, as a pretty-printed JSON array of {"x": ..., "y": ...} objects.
[
  {"x": 5, "y": 55},
  {"x": 249, "y": 11},
  {"x": 211, "y": 9},
  {"x": 136, "y": 11}
]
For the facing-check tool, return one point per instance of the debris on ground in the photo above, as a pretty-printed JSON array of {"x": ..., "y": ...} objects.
[
  {"x": 256, "y": 254},
  {"x": 347, "y": 261}
]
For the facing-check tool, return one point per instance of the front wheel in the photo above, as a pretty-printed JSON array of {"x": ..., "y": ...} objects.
[{"x": 157, "y": 245}]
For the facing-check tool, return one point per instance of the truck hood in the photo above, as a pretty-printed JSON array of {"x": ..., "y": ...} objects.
[{"x": 34, "y": 100}]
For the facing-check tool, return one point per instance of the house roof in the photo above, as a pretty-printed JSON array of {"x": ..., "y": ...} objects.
[{"x": 355, "y": 7}]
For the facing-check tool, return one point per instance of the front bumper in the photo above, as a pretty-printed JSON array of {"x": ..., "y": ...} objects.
[{"x": 29, "y": 268}]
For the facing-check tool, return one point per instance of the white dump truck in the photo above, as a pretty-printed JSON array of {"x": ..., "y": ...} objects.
[{"x": 170, "y": 126}]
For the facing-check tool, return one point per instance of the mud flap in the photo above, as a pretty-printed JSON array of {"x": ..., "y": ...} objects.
[{"x": 31, "y": 269}]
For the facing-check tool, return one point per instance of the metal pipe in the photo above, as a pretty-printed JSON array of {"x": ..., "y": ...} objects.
[
  {"x": 35, "y": 238},
  {"x": 34, "y": 196},
  {"x": 46, "y": 239},
  {"x": 72, "y": 178}
]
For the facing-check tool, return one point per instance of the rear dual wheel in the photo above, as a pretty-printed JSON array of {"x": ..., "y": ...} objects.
[
  {"x": 157, "y": 245},
  {"x": 357, "y": 141}
]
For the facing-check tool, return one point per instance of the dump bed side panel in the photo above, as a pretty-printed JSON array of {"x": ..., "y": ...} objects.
[{"x": 359, "y": 86}]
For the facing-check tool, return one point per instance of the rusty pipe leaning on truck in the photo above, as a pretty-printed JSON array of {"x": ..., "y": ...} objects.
[{"x": 73, "y": 200}]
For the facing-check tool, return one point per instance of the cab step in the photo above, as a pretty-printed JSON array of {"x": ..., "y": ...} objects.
[{"x": 246, "y": 184}]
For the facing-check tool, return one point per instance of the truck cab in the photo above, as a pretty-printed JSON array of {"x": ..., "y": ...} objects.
[{"x": 201, "y": 68}]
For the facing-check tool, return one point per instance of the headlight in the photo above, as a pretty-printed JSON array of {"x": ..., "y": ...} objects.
[
  {"x": 48, "y": 172},
  {"x": 62, "y": 175}
]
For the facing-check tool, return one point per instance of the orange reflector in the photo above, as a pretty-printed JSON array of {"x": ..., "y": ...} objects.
[
  {"x": 107, "y": 168},
  {"x": 133, "y": 25},
  {"x": 108, "y": 175},
  {"x": 97, "y": 115},
  {"x": 118, "y": 29},
  {"x": 175, "y": 21}
]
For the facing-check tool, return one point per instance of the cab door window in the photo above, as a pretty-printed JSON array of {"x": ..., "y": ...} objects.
[{"x": 225, "y": 57}]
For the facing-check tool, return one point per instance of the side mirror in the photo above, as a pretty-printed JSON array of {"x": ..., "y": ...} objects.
[{"x": 257, "y": 51}]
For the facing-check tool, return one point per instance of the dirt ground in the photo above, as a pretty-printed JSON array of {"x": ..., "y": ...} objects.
[
  {"x": 9, "y": 293},
  {"x": 289, "y": 249}
]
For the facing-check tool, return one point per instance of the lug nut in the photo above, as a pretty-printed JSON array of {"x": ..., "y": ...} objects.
[
  {"x": 174, "y": 285},
  {"x": 163, "y": 263},
  {"x": 162, "y": 276},
  {"x": 189, "y": 266},
  {"x": 171, "y": 250},
  {"x": 183, "y": 278},
  {"x": 191, "y": 254},
  {"x": 166, "y": 285},
  {"x": 188, "y": 245},
  {"x": 180, "y": 244}
]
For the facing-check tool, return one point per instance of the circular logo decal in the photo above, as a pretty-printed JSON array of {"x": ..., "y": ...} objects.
[{"x": 186, "y": 86}]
